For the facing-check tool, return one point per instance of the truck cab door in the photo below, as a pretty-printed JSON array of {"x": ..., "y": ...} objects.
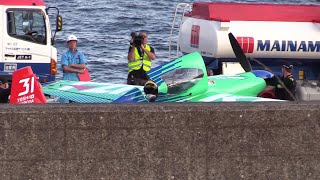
[{"x": 26, "y": 40}]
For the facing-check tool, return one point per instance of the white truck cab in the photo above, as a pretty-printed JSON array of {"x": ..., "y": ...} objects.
[{"x": 26, "y": 39}]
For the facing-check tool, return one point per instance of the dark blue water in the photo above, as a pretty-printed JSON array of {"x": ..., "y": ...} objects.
[{"x": 103, "y": 28}]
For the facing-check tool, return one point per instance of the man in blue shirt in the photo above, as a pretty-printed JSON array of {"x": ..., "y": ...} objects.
[{"x": 73, "y": 61}]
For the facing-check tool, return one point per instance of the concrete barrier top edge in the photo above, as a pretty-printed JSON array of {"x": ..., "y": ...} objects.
[{"x": 161, "y": 107}]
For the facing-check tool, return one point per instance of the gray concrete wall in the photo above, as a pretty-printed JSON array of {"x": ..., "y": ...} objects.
[{"x": 160, "y": 141}]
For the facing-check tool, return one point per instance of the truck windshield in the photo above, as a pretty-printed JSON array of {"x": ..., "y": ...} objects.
[{"x": 28, "y": 25}]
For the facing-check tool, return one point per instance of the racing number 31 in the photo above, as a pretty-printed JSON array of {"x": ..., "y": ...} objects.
[{"x": 29, "y": 86}]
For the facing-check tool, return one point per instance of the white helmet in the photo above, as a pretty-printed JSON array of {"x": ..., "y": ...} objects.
[{"x": 72, "y": 38}]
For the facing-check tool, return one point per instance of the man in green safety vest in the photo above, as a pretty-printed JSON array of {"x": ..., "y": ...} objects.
[{"x": 140, "y": 56}]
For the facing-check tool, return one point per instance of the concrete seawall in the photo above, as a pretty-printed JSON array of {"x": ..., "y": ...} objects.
[{"x": 160, "y": 141}]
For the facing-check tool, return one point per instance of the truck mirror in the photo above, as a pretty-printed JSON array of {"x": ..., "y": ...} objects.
[{"x": 59, "y": 23}]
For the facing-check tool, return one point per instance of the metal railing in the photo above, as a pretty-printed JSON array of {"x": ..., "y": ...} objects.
[{"x": 175, "y": 26}]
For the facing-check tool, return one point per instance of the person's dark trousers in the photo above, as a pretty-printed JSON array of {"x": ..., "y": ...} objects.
[
  {"x": 137, "y": 77},
  {"x": 4, "y": 95}
]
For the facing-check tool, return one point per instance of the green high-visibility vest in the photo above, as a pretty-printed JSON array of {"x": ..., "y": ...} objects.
[{"x": 139, "y": 61}]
